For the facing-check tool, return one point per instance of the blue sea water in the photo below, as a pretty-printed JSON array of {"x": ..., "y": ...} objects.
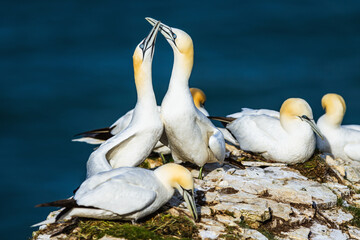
[{"x": 66, "y": 67}]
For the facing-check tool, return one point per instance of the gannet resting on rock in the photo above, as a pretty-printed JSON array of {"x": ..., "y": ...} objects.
[
  {"x": 131, "y": 146},
  {"x": 342, "y": 141},
  {"x": 190, "y": 134},
  {"x": 127, "y": 193},
  {"x": 99, "y": 136},
  {"x": 289, "y": 139}
]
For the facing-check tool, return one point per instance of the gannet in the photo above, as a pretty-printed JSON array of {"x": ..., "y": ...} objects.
[
  {"x": 342, "y": 141},
  {"x": 288, "y": 139},
  {"x": 190, "y": 134},
  {"x": 100, "y": 135},
  {"x": 132, "y": 145},
  {"x": 127, "y": 193}
]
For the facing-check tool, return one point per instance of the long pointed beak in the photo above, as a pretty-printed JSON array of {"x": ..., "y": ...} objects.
[
  {"x": 312, "y": 125},
  {"x": 149, "y": 41},
  {"x": 165, "y": 30},
  {"x": 188, "y": 196}
]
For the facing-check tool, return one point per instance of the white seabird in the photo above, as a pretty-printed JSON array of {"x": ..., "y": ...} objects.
[
  {"x": 131, "y": 146},
  {"x": 126, "y": 193},
  {"x": 190, "y": 134},
  {"x": 342, "y": 141},
  {"x": 288, "y": 139}
]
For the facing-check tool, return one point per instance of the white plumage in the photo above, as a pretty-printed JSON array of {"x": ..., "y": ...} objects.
[
  {"x": 289, "y": 139},
  {"x": 343, "y": 141}
]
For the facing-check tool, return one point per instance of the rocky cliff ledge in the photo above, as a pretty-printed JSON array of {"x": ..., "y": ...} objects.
[{"x": 318, "y": 199}]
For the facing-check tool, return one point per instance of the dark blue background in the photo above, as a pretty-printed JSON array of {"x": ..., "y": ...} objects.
[{"x": 66, "y": 67}]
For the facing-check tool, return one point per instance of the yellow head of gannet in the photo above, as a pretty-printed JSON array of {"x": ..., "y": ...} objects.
[
  {"x": 180, "y": 42},
  {"x": 198, "y": 96},
  {"x": 178, "y": 177},
  {"x": 297, "y": 108},
  {"x": 142, "y": 58},
  {"x": 335, "y": 108}
]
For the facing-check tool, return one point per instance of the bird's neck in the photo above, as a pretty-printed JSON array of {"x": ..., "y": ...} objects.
[
  {"x": 144, "y": 87},
  {"x": 165, "y": 177},
  {"x": 334, "y": 118},
  {"x": 331, "y": 120},
  {"x": 181, "y": 71}
]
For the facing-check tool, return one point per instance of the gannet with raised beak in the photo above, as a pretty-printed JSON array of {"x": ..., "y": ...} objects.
[
  {"x": 342, "y": 141},
  {"x": 131, "y": 146},
  {"x": 190, "y": 134},
  {"x": 288, "y": 139},
  {"x": 126, "y": 193}
]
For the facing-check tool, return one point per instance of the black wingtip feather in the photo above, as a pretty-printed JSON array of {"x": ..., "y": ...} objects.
[
  {"x": 101, "y": 133},
  {"x": 100, "y": 130}
]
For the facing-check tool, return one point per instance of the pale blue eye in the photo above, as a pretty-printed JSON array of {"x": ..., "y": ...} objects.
[
  {"x": 174, "y": 36},
  {"x": 141, "y": 46}
]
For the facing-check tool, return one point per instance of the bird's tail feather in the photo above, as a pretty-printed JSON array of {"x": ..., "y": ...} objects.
[{"x": 67, "y": 203}]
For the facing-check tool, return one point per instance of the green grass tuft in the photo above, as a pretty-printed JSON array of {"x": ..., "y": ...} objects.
[
  {"x": 339, "y": 202},
  {"x": 356, "y": 214},
  {"x": 351, "y": 209},
  {"x": 315, "y": 168},
  {"x": 166, "y": 224},
  {"x": 267, "y": 234},
  {"x": 145, "y": 164},
  {"x": 243, "y": 224}
]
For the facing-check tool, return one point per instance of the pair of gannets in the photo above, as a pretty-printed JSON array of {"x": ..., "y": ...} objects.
[
  {"x": 127, "y": 194},
  {"x": 188, "y": 132},
  {"x": 287, "y": 136},
  {"x": 342, "y": 141}
]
